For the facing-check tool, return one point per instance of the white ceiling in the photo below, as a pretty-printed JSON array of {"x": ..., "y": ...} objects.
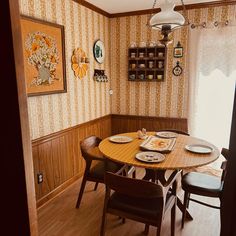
[{"x": 118, "y": 6}]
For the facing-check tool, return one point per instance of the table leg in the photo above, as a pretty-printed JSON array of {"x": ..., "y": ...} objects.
[
  {"x": 160, "y": 175},
  {"x": 181, "y": 207},
  {"x": 150, "y": 174}
]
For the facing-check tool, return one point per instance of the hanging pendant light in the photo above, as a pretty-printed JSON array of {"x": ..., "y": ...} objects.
[{"x": 167, "y": 20}]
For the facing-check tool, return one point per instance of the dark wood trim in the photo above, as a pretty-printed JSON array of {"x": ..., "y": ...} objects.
[
  {"x": 153, "y": 118},
  {"x": 178, "y": 8},
  {"x": 58, "y": 158},
  {"x": 130, "y": 123},
  {"x": 93, "y": 7},
  {"x": 18, "y": 190},
  {"x": 135, "y": 13},
  {"x": 55, "y": 135},
  {"x": 57, "y": 191},
  {"x": 149, "y": 11},
  {"x": 206, "y": 5}
]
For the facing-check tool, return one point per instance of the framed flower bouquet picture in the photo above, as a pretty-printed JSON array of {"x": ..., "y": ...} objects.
[{"x": 44, "y": 56}]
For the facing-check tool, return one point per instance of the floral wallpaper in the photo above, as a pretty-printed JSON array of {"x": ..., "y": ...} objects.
[
  {"x": 85, "y": 99},
  {"x": 162, "y": 99}
]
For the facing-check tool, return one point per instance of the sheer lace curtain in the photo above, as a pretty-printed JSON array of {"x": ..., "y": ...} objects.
[{"x": 212, "y": 76}]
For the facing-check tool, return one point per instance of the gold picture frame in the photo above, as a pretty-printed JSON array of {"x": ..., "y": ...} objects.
[
  {"x": 178, "y": 51},
  {"x": 44, "y": 56}
]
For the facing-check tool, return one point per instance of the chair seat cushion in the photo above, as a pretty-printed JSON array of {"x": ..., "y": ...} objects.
[
  {"x": 148, "y": 208},
  {"x": 97, "y": 171},
  {"x": 202, "y": 184},
  {"x": 139, "y": 207}
]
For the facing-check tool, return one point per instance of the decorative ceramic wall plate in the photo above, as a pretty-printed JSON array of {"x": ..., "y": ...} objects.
[
  {"x": 99, "y": 51},
  {"x": 79, "y": 64}
]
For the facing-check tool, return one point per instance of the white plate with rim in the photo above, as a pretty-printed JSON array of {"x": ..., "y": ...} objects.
[
  {"x": 150, "y": 157},
  {"x": 120, "y": 139},
  {"x": 199, "y": 148},
  {"x": 166, "y": 134}
]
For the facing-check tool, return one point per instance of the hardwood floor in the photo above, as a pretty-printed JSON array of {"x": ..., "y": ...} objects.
[{"x": 60, "y": 217}]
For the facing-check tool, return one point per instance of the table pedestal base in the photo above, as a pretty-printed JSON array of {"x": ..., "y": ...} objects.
[{"x": 159, "y": 175}]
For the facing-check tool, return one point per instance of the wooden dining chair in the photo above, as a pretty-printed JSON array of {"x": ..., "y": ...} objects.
[
  {"x": 203, "y": 185},
  {"x": 150, "y": 174},
  {"x": 94, "y": 172},
  {"x": 139, "y": 200}
]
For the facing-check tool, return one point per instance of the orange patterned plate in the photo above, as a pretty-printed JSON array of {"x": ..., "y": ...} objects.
[{"x": 158, "y": 144}]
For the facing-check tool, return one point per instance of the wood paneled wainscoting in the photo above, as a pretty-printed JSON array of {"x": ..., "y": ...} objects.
[
  {"x": 57, "y": 156},
  {"x": 130, "y": 123}
]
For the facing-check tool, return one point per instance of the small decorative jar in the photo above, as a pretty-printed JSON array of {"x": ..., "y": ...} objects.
[
  {"x": 132, "y": 76},
  {"x": 150, "y": 64},
  {"x": 133, "y": 54},
  {"x": 141, "y": 54},
  {"x": 141, "y": 76},
  {"x": 160, "y": 64},
  {"x": 151, "y": 54},
  {"x": 141, "y": 65}
]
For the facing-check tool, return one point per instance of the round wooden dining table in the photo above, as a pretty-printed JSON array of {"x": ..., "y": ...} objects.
[{"x": 178, "y": 158}]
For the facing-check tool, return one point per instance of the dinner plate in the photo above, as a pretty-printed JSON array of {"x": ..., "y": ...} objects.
[
  {"x": 150, "y": 157},
  {"x": 166, "y": 134},
  {"x": 199, "y": 148},
  {"x": 120, "y": 139}
]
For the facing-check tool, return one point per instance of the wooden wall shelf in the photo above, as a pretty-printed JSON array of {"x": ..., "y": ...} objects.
[{"x": 147, "y": 64}]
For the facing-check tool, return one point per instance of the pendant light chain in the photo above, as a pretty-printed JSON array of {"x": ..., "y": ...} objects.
[
  {"x": 154, "y": 4},
  {"x": 151, "y": 14},
  {"x": 185, "y": 13}
]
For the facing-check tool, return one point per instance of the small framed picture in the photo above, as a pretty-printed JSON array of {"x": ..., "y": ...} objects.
[
  {"x": 178, "y": 50},
  {"x": 177, "y": 70}
]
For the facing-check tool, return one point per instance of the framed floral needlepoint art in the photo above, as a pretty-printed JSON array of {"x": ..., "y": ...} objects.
[{"x": 44, "y": 56}]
